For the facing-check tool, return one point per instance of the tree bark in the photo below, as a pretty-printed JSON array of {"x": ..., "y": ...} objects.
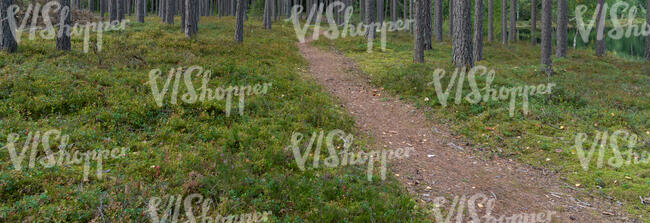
[
  {"x": 267, "y": 14},
  {"x": 647, "y": 38},
  {"x": 504, "y": 23},
  {"x": 183, "y": 11},
  {"x": 533, "y": 21},
  {"x": 513, "y": 21},
  {"x": 462, "y": 34},
  {"x": 477, "y": 52},
  {"x": 191, "y": 18},
  {"x": 102, "y": 8},
  {"x": 600, "y": 29},
  {"x": 490, "y": 20},
  {"x": 8, "y": 42},
  {"x": 562, "y": 23},
  {"x": 170, "y": 12},
  {"x": 380, "y": 12},
  {"x": 63, "y": 36},
  {"x": 547, "y": 26},
  {"x": 369, "y": 20},
  {"x": 418, "y": 32},
  {"x": 437, "y": 20},
  {"x": 112, "y": 10},
  {"x": 239, "y": 24},
  {"x": 428, "y": 29},
  {"x": 393, "y": 13},
  {"x": 139, "y": 10}
]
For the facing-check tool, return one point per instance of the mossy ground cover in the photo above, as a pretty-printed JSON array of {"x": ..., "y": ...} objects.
[
  {"x": 104, "y": 100},
  {"x": 592, "y": 94}
]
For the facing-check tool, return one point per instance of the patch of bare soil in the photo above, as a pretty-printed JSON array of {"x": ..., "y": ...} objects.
[{"x": 445, "y": 165}]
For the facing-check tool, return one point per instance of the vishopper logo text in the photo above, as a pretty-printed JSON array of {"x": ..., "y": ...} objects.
[
  {"x": 617, "y": 32},
  {"x": 171, "y": 212},
  {"x": 475, "y": 204},
  {"x": 206, "y": 93},
  {"x": 60, "y": 158},
  {"x": 600, "y": 143}
]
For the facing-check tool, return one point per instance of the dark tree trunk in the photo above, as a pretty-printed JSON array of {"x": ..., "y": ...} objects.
[
  {"x": 513, "y": 21},
  {"x": 477, "y": 52},
  {"x": 170, "y": 11},
  {"x": 462, "y": 34},
  {"x": 562, "y": 21},
  {"x": 140, "y": 10},
  {"x": 418, "y": 32},
  {"x": 547, "y": 26},
  {"x": 504, "y": 23},
  {"x": 533, "y": 21},
  {"x": 91, "y": 5},
  {"x": 63, "y": 36},
  {"x": 191, "y": 17},
  {"x": 405, "y": 6},
  {"x": 490, "y": 20},
  {"x": 437, "y": 20},
  {"x": 369, "y": 20},
  {"x": 112, "y": 10},
  {"x": 239, "y": 24},
  {"x": 393, "y": 13},
  {"x": 267, "y": 14},
  {"x": 8, "y": 42},
  {"x": 427, "y": 25},
  {"x": 183, "y": 11},
  {"x": 102, "y": 8},
  {"x": 647, "y": 38},
  {"x": 121, "y": 9},
  {"x": 451, "y": 18},
  {"x": 600, "y": 30},
  {"x": 380, "y": 11}
]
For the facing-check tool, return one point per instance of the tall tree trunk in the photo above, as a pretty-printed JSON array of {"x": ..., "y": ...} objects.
[
  {"x": 380, "y": 11},
  {"x": 91, "y": 5},
  {"x": 490, "y": 20},
  {"x": 239, "y": 24},
  {"x": 370, "y": 19},
  {"x": 267, "y": 14},
  {"x": 451, "y": 18},
  {"x": 183, "y": 11},
  {"x": 8, "y": 42},
  {"x": 547, "y": 26},
  {"x": 191, "y": 17},
  {"x": 393, "y": 13},
  {"x": 437, "y": 20},
  {"x": 418, "y": 32},
  {"x": 562, "y": 21},
  {"x": 63, "y": 36},
  {"x": 462, "y": 34},
  {"x": 647, "y": 38},
  {"x": 504, "y": 23},
  {"x": 169, "y": 12},
  {"x": 428, "y": 29},
  {"x": 513, "y": 21},
  {"x": 533, "y": 21},
  {"x": 477, "y": 52},
  {"x": 600, "y": 30},
  {"x": 112, "y": 10},
  {"x": 140, "y": 10}
]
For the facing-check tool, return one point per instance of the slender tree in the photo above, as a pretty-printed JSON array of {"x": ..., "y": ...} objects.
[
  {"x": 600, "y": 29},
  {"x": 418, "y": 32},
  {"x": 8, "y": 42},
  {"x": 504, "y": 23},
  {"x": 428, "y": 29},
  {"x": 112, "y": 10},
  {"x": 140, "y": 10},
  {"x": 63, "y": 36},
  {"x": 380, "y": 11},
  {"x": 191, "y": 17},
  {"x": 102, "y": 8},
  {"x": 547, "y": 16},
  {"x": 437, "y": 20},
  {"x": 647, "y": 38},
  {"x": 267, "y": 14},
  {"x": 239, "y": 25},
  {"x": 562, "y": 21},
  {"x": 183, "y": 11},
  {"x": 369, "y": 20},
  {"x": 91, "y": 5},
  {"x": 477, "y": 52},
  {"x": 490, "y": 20},
  {"x": 513, "y": 21},
  {"x": 170, "y": 12},
  {"x": 462, "y": 34},
  {"x": 451, "y": 18},
  {"x": 393, "y": 13},
  {"x": 533, "y": 21}
]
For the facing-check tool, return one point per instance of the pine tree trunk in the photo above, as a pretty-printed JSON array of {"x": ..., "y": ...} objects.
[
  {"x": 513, "y": 21},
  {"x": 547, "y": 26},
  {"x": 380, "y": 12},
  {"x": 183, "y": 11},
  {"x": 562, "y": 23},
  {"x": 91, "y": 5},
  {"x": 647, "y": 38},
  {"x": 600, "y": 30},
  {"x": 63, "y": 35},
  {"x": 428, "y": 29},
  {"x": 267, "y": 14},
  {"x": 191, "y": 18},
  {"x": 437, "y": 20},
  {"x": 393, "y": 13},
  {"x": 533, "y": 22},
  {"x": 139, "y": 10},
  {"x": 112, "y": 10},
  {"x": 369, "y": 20},
  {"x": 418, "y": 32},
  {"x": 477, "y": 52},
  {"x": 169, "y": 12},
  {"x": 239, "y": 24},
  {"x": 451, "y": 18},
  {"x": 490, "y": 20},
  {"x": 102, "y": 8},
  {"x": 504, "y": 23},
  {"x": 8, "y": 42},
  {"x": 462, "y": 34}
]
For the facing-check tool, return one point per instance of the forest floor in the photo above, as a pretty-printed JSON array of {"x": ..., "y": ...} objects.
[{"x": 445, "y": 164}]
